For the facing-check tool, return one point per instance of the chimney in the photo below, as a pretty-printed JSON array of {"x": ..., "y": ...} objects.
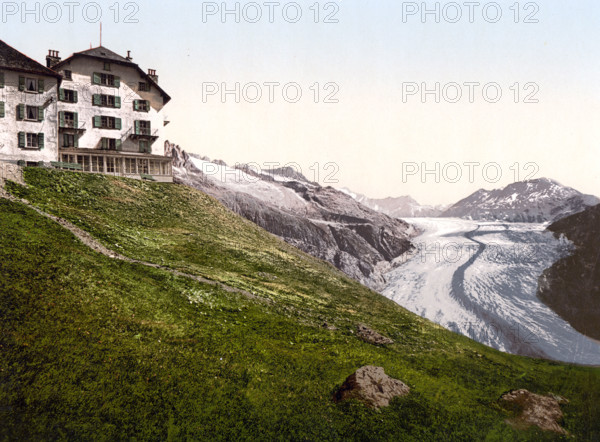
[
  {"x": 152, "y": 74},
  {"x": 52, "y": 59},
  {"x": 129, "y": 57}
]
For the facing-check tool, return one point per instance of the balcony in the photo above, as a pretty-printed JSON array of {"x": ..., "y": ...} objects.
[
  {"x": 70, "y": 126},
  {"x": 143, "y": 133}
]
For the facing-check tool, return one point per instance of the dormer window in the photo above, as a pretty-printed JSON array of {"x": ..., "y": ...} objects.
[{"x": 106, "y": 66}]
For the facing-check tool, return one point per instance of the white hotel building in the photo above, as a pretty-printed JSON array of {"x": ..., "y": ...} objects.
[{"x": 97, "y": 112}]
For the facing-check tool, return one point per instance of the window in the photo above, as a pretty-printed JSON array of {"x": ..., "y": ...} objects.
[
  {"x": 68, "y": 75},
  {"x": 106, "y": 66},
  {"x": 142, "y": 128},
  {"x": 68, "y": 120},
  {"x": 102, "y": 122},
  {"x": 110, "y": 165},
  {"x": 31, "y": 113},
  {"x": 130, "y": 165},
  {"x": 106, "y": 101},
  {"x": 31, "y": 85},
  {"x": 31, "y": 140},
  {"x": 1, "y": 109},
  {"x": 97, "y": 164},
  {"x": 110, "y": 144},
  {"x": 142, "y": 166},
  {"x": 1, "y": 80},
  {"x": 69, "y": 140},
  {"x": 141, "y": 105},
  {"x": 67, "y": 95},
  {"x": 144, "y": 87},
  {"x": 106, "y": 79},
  {"x": 145, "y": 146}
]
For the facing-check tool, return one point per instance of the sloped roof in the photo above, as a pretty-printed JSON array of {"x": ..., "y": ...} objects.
[
  {"x": 102, "y": 53},
  {"x": 11, "y": 59}
]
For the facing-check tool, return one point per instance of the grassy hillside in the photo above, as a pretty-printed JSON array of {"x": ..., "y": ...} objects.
[{"x": 98, "y": 349}]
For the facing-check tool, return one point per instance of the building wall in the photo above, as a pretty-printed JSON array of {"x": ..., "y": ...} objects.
[
  {"x": 82, "y": 73},
  {"x": 10, "y": 126}
]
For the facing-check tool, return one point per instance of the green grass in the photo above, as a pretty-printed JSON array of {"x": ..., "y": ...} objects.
[{"x": 98, "y": 349}]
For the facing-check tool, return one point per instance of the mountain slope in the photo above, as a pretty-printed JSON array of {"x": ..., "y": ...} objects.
[
  {"x": 99, "y": 349},
  {"x": 399, "y": 207},
  {"x": 534, "y": 201},
  {"x": 321, "y": 221},
  {"x": 571, "y": 287}
]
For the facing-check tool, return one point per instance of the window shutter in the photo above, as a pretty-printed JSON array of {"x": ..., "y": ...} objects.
[
  {"x": 41, "y": 140},
  {"x": 117, "y": 81},
  {"x": 118, "y": 102},
  {"x": 97, "y": 100},
  {"x": 96, "y": 78},
  {"x": 1, "y": 79},
  {"x": 40, "y": 86},
  {"x": 21, "y": 112},
  {"x": 137, "y": 128},
  {"x": 76, "y": 138},
  {"x": 118, "y": 145},
  {"x": 118, "y": 124},
  {"x": 61, "y": 94},
  {"x": 147, "y": 106},
  {"x": 104, "y": 143},
  {"x": 21, "y": 139},
  {"x": 61, "y": 119},
  {"x": 136, "y": 105},
  {"x": 75, "y": 97},
  {"x": 76, "y": 120},
  {"x": 97, "y": 122},
  {"x": 40, "y": 113},
  {"x": 21, "y": 83},
  {"x": 1, "y": 109}
]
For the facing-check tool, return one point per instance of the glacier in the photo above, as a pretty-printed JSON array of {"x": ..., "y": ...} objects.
[{"x": 480, "y": 279}]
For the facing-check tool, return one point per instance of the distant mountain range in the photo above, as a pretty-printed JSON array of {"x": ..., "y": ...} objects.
[
  {"x": 321, "y": 221},
  {"x": 399, "y": 207},
  {"x": 571, "y": 287},
  {"x": 533, "y": 201}
]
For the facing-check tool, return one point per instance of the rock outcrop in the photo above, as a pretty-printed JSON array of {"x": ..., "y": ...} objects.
[
  {"x": 571, "y": 287},
  {"x": 372, "y": 386},
  {"x": 534, "y": 409},
  {"x": 371, "y": 336}
]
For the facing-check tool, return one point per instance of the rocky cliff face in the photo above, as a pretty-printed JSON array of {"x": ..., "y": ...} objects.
[
  {"x": 321, "y": 221},
  {"x": 571, "y": 287},
  {"x": 533, "y": 201}
]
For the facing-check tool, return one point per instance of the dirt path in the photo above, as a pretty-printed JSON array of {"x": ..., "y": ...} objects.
[{"x": 93, "y": 244}]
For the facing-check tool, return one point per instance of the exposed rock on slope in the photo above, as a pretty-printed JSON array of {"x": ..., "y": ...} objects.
[
  {"x": 319, "y": 220},
  {"x": 372, "y": 386},
  {"x": 533, "y": 409},
  {"x": 534, "y": 201},
  {"x": 571, "y": 287}
]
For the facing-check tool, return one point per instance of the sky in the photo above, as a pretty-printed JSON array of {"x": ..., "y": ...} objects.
[{"x": 362, "y": 120}]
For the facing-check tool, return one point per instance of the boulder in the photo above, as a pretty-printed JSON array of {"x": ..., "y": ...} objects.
[
  {"x": 372, "y": 386},
  {"x": 371, "y": 336},
  {"x": 534, "y": 409}
]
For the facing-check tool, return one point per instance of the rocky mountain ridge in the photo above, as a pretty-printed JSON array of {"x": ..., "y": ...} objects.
[{"x": 321, "y": 221}]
